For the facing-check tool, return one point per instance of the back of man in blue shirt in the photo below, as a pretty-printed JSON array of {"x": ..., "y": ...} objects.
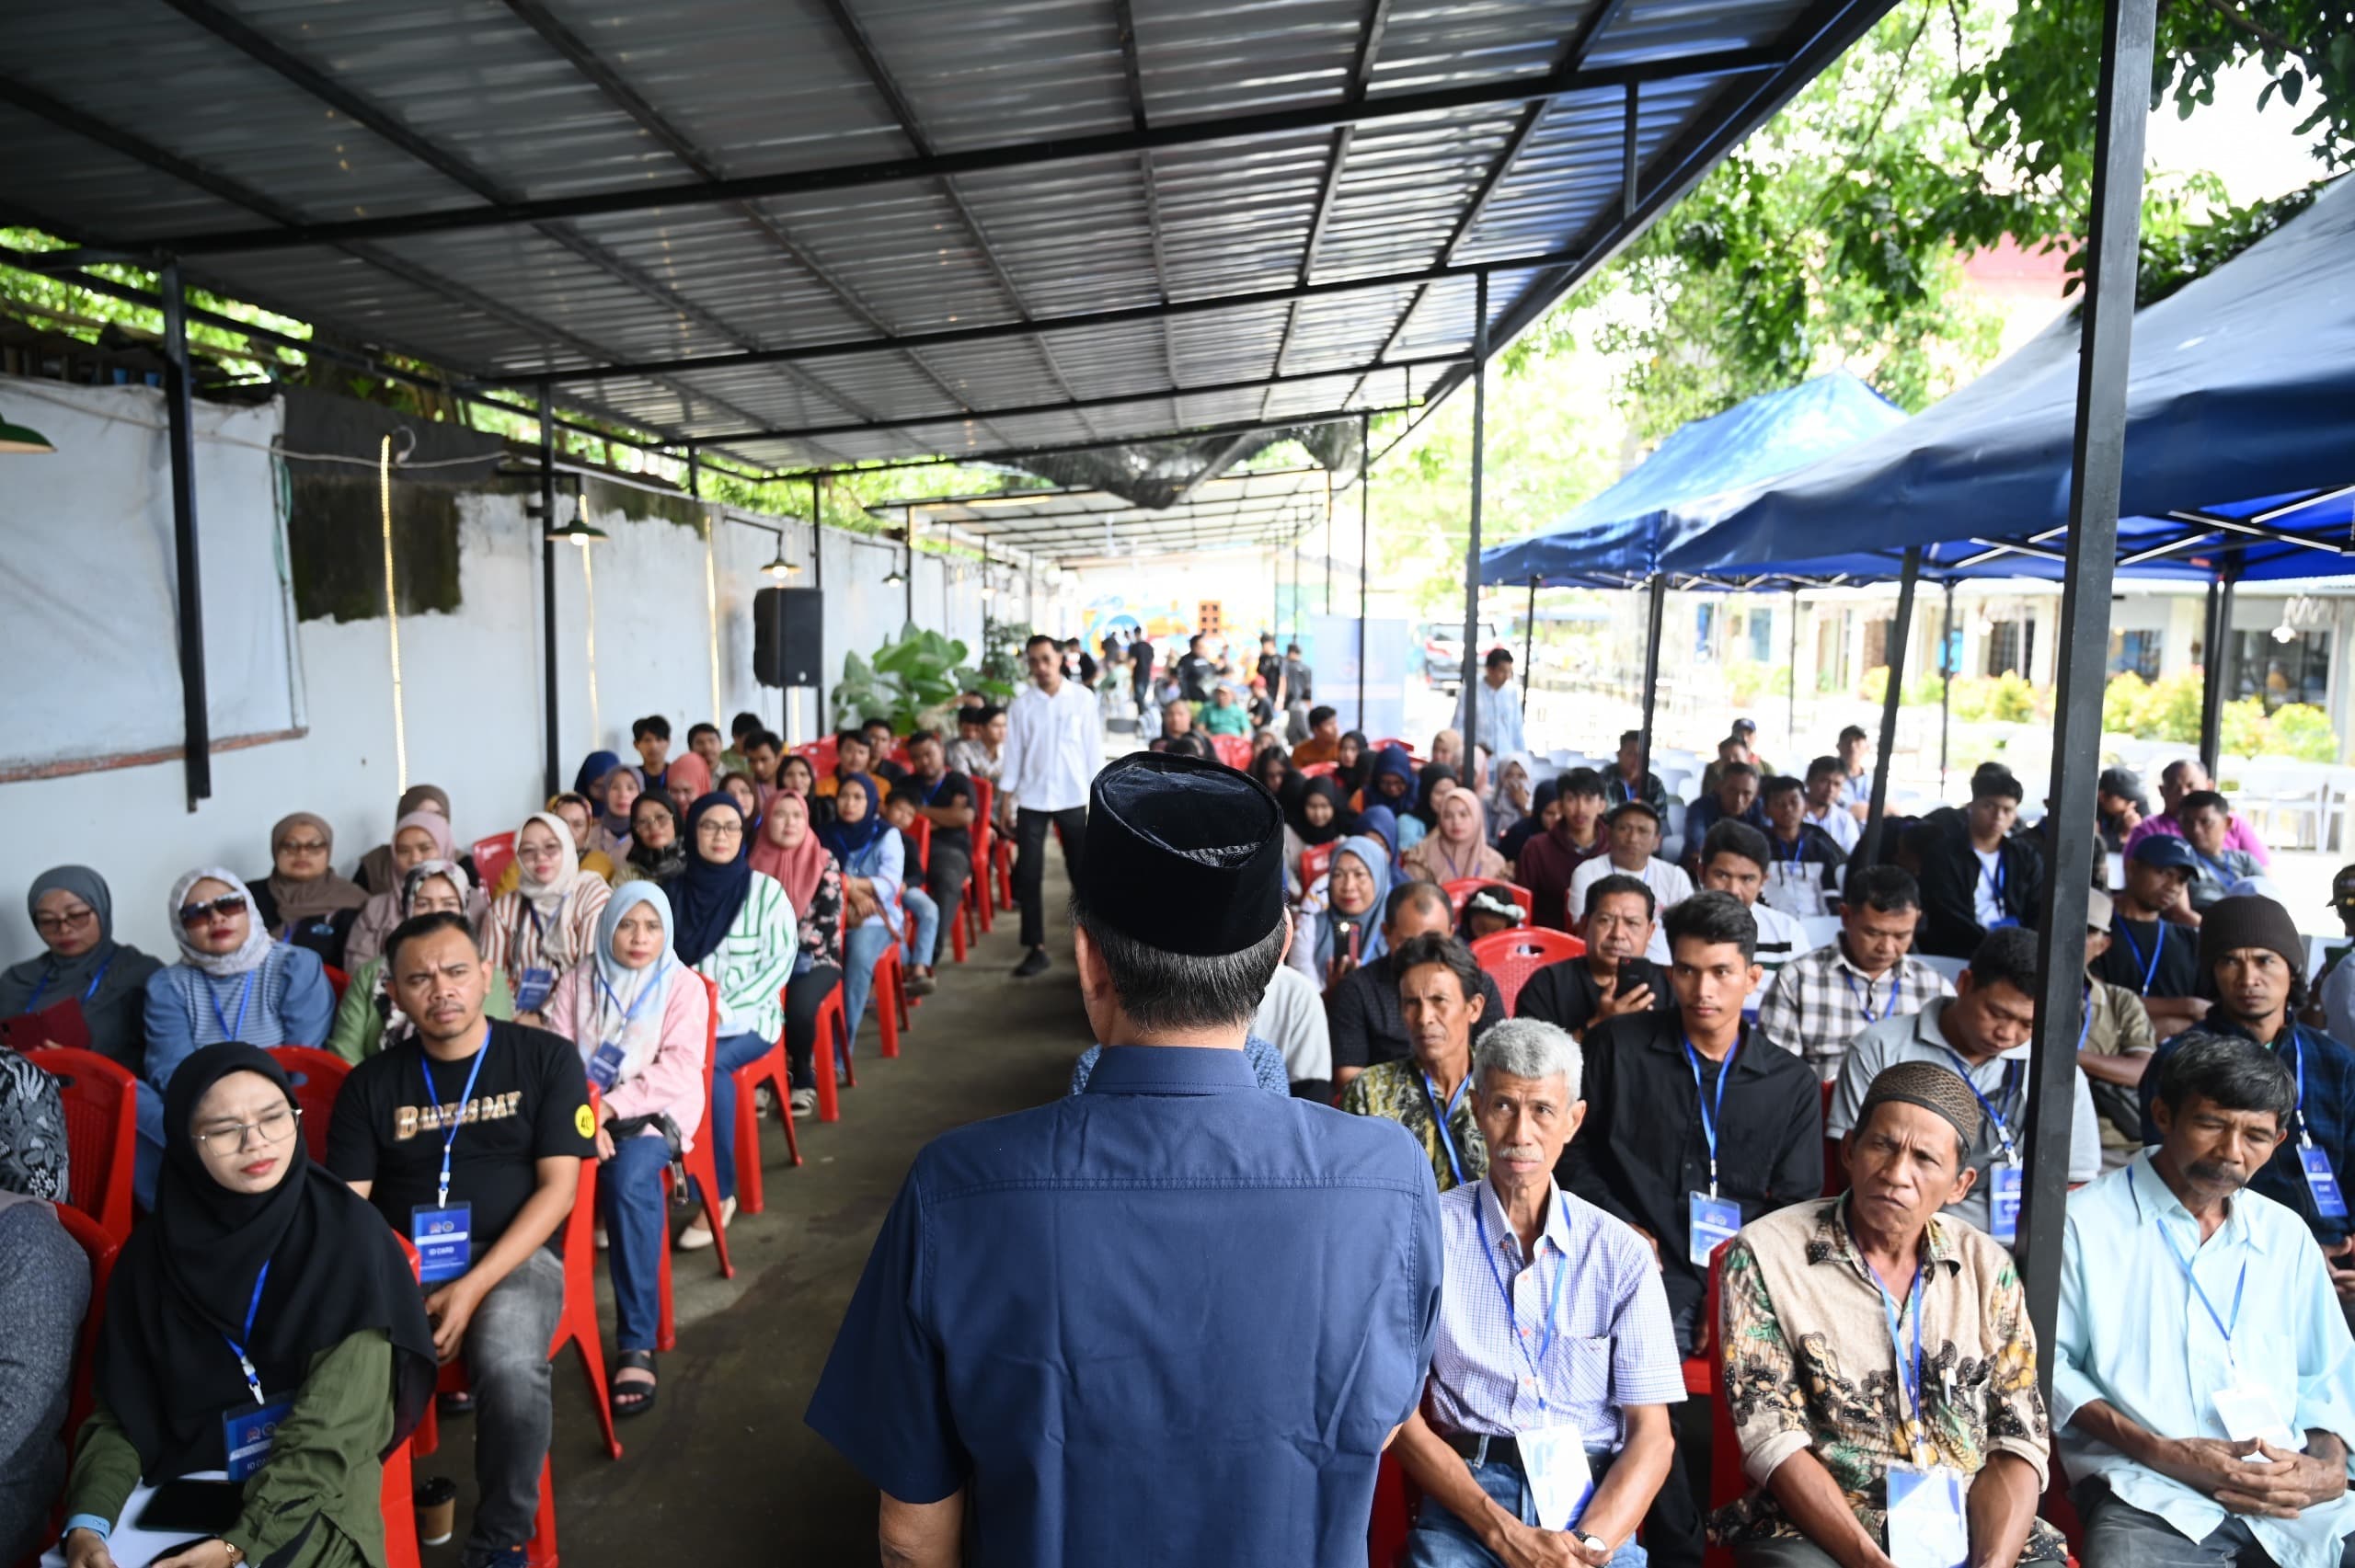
[{"x": 1173, "y": 1319}]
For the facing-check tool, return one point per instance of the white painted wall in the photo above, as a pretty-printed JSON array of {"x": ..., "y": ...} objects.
[{"x": 472, "y": 680}]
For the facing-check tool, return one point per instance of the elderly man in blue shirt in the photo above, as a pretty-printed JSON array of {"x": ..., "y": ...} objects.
[
  {"x": 1545, "y": 1432},
  {"x": 2203, "y": 1383},
  {"x": 1173, "y": 1318}
]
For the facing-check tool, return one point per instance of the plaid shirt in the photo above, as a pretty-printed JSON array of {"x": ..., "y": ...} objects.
[
  {"x": 1820, "y": 1002},
  {"x": 1609, "y": 1344}
]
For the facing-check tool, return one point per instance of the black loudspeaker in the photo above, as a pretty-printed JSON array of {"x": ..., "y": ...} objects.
[{"x": 788, "y": 636}]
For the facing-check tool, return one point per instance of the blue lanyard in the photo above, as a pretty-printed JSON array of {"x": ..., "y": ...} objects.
[
  {"x": 2219, "y": 872},
  {"x": 1799, "y": 850},
  {"x": 2158, "y": 950},
  {"x": 32, "y": 1002},
  {"x": 1709, "y": 1112},
  {"x": 934, "y": 789},
  {"x": 237, "y": 1347},
  {"x": 1909, "y": 1373},
  {"x": 2183, "y": 1259},
  {"x": 1864, "y": 997},
  {"x": 2298, "y": 1067},
  {"x": 2086, "y": 1023},
  {"x": 450, "y": 1140},
  {"x": 539, "y": 932},
  {"x": 1553, "y": 1303},
  {"x": 628, "y": 1014},
  {"x": 1446, "y": 1140},
  {"x": 2011, "y": 1089},
  {"x": 2001, "y": 872},
  {"x": 227, "y": 1032}
]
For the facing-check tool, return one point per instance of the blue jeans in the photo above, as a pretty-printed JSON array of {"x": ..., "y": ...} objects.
[
  {"x": 147, "y": 1159},
  {"x": 634, "y": 1200},
  {"x": 1442, "y": 1541},
  {"x": 862, "y": 945},
  {"x": 734, "y": 1051},
  {"x": 926, "y": 915}
]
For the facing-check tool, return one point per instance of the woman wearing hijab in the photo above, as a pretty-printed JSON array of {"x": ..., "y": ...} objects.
[
  {"x": 262, "y": 1321},
  {"x": 686, "y": 780},
  {"x": 1438, "y": 779},
  {"x": 1392, "y": 781},
  {"x": 1511, "y": 799},
  {"x": 366, "y": 1019},
  {"x": 1379, "y": 823},
  {"x": 416, "y": 838},
  {"x": 233, "y": 983},
  {"x": 658, "y": 851},
  {"x": 1459, "y": 848},
  {"x": 735, "y": 926},
  {"x": 44, "y": 1294},
  {"x": 1544, "y": 805},
  {"x": 873, "y": 864},
  {"x": 788, "y": 851},
  {"x": 1340, "y": 921},
  {"x": 302, "y": 900},
  {"x": 638, "y": 1017},
  {"x": 618, "y": 792},
  {"x": 579, "y": 813},
  {"x": 591, "y": 779},
  {"x": 378, "y": 872},
  {"x": 536, "y": 933},
  {"x": 73, "y": 910},
  {"x": 1353, "y": 763}
]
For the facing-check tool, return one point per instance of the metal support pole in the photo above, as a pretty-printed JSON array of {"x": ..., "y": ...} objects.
[
  {"x": 1946, "y": 688},
  {"x": 1366, "y": 533},
  {"x": 2216, "y": 675},
  {"x": 1791, "y": 706},
  {"x": 554, "y": 738},
  {"x": 179, "y": 414},
  {"x": 1657, "y": 593},
  {"x": 1465, "y": 680},
  {"x": 1328, "y": 542},
  {"x": 1868, "y": 847},
  {"x": 1529, "y": 648},
  {"x": 2097, "y": 458}
]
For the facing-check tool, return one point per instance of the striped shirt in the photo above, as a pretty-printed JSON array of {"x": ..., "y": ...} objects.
[
  {"x": 753, "y": 961},
  {"x": 1610, "y": 1343},
  {"x": 1820, "y": 1002},
  {"x": 516, "y": 938}
]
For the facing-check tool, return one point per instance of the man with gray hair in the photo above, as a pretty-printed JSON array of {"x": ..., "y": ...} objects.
[{"x": 1544, "y": 1430}]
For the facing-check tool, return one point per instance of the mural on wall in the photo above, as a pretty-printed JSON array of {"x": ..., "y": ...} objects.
[{"x": 1126, "y": 614}]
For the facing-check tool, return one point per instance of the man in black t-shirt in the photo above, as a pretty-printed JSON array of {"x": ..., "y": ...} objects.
[
  {"x": 1579, "y": 992},
  {"x": 946, "y": 796},
  {"x": 2152, "y": 952},
  {"x": 1195, "y": 673},
  {"x": 469, "y": 1135},
  {"x": 1271, "y": 669}
]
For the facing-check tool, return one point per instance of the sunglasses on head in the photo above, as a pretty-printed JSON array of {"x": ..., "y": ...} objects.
[{"x": 220, "y": 908}]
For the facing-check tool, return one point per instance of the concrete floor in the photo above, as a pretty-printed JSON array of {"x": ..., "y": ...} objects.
[{"x": 724, "y": 1463}]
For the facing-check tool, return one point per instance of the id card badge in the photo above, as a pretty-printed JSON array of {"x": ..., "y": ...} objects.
[
  {"x": 533, "y": 989},
  {"x": 605, "y": 1066},
  {"x": 445, "y": 1239},
  {"x": 246, "y": 1434},
  {"x": 1709, "y": 1220},
  {"x": 1553, "y": 1464},
  {"x": 2003, "y": 922},
  {"x": 2249, "y": 1413},
  {"x": 2322, "y": 1182},
  {"x": 2005, "y": 1185},
  {"x": 1926, "y": 1525}
]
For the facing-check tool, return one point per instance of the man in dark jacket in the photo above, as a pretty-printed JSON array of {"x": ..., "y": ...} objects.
[{"x": 1980, "y": 878}]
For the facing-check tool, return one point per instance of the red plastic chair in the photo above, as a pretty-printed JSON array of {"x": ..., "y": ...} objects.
[
  {"x": 397, "y": 1502},
  {"x": 1314, "y": 861},
  {"x": 318, "y": 1078},
  {"x": 832, "y": 1052},
  {"x": 576, "y": 1327},
  {"x": 1319, "y": 770},
  {"x": 1726, "y": 1480},
  {"x": 890, "y": 989},
  {"x": 923, "y": 833},
  {"x": 1459, "y": 893},
  {"x": 337, "y": 980},
  {"x": 773, "y": 1067},
  {"x": 101, "y": 1131},
  {"x": 703, "y": 1169},
  {"x": 102, "y": 1248},
  {"x": 980, "y": 914},
  {"x": 1235, "y": 751},
  {"x": 492, "y": 857},
  {"x": 1393, "y": 1514},
  {"x": 1512, "y": 957}
]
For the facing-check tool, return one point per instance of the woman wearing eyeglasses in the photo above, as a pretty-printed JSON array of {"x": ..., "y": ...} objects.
[
  {"x": 302, "y": 900},
  {"x": 73, "y": 912},
  {"x": 263, "y": 1323},
  {"x": 234, "y": 982},
  {"x": 735, "y": 925}
]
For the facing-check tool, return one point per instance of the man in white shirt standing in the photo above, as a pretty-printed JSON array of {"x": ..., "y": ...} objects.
[{"x": 1053, "y": 746}]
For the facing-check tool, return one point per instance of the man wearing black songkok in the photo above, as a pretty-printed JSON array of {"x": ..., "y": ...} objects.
[{"x": 1172, "y": 1307}]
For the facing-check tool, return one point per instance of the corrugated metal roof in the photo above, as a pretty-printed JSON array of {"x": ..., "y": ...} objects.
[
  {"x": 1067, "y": 525},
  {"x": 667, "y": 207}
]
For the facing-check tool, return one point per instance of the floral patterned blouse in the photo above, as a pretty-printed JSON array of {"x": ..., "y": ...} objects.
[
  {"x": 1395, "y": 1089},
  {"x": 821, "y": 922},
  {"x": 1809, "y": 1366}
]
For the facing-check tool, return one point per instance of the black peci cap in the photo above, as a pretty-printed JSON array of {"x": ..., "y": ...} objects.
[{"x": 1183, "y": 855}]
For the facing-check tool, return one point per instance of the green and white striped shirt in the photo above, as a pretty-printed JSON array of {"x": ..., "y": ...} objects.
[{"x": 753, "y": 960}]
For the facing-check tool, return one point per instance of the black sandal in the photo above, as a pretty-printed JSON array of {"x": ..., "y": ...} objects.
[{"x": 636, "y": 1398}]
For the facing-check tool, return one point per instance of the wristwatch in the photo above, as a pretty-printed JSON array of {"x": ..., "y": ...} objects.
[
  {"x": 237, "y": 1553},
  {"x": 1592, "y": 1543}
]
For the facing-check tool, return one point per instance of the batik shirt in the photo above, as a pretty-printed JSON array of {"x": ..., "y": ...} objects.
[{"x": 1396, "y": 1090}]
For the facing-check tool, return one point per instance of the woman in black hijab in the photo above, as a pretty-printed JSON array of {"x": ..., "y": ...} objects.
[
  {"x": 1545, "y": 803},
  {"x": 1355, "y": 768},
  {"x": 1426, "y": 809},
  {"x": 262, "y": 1297}
]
